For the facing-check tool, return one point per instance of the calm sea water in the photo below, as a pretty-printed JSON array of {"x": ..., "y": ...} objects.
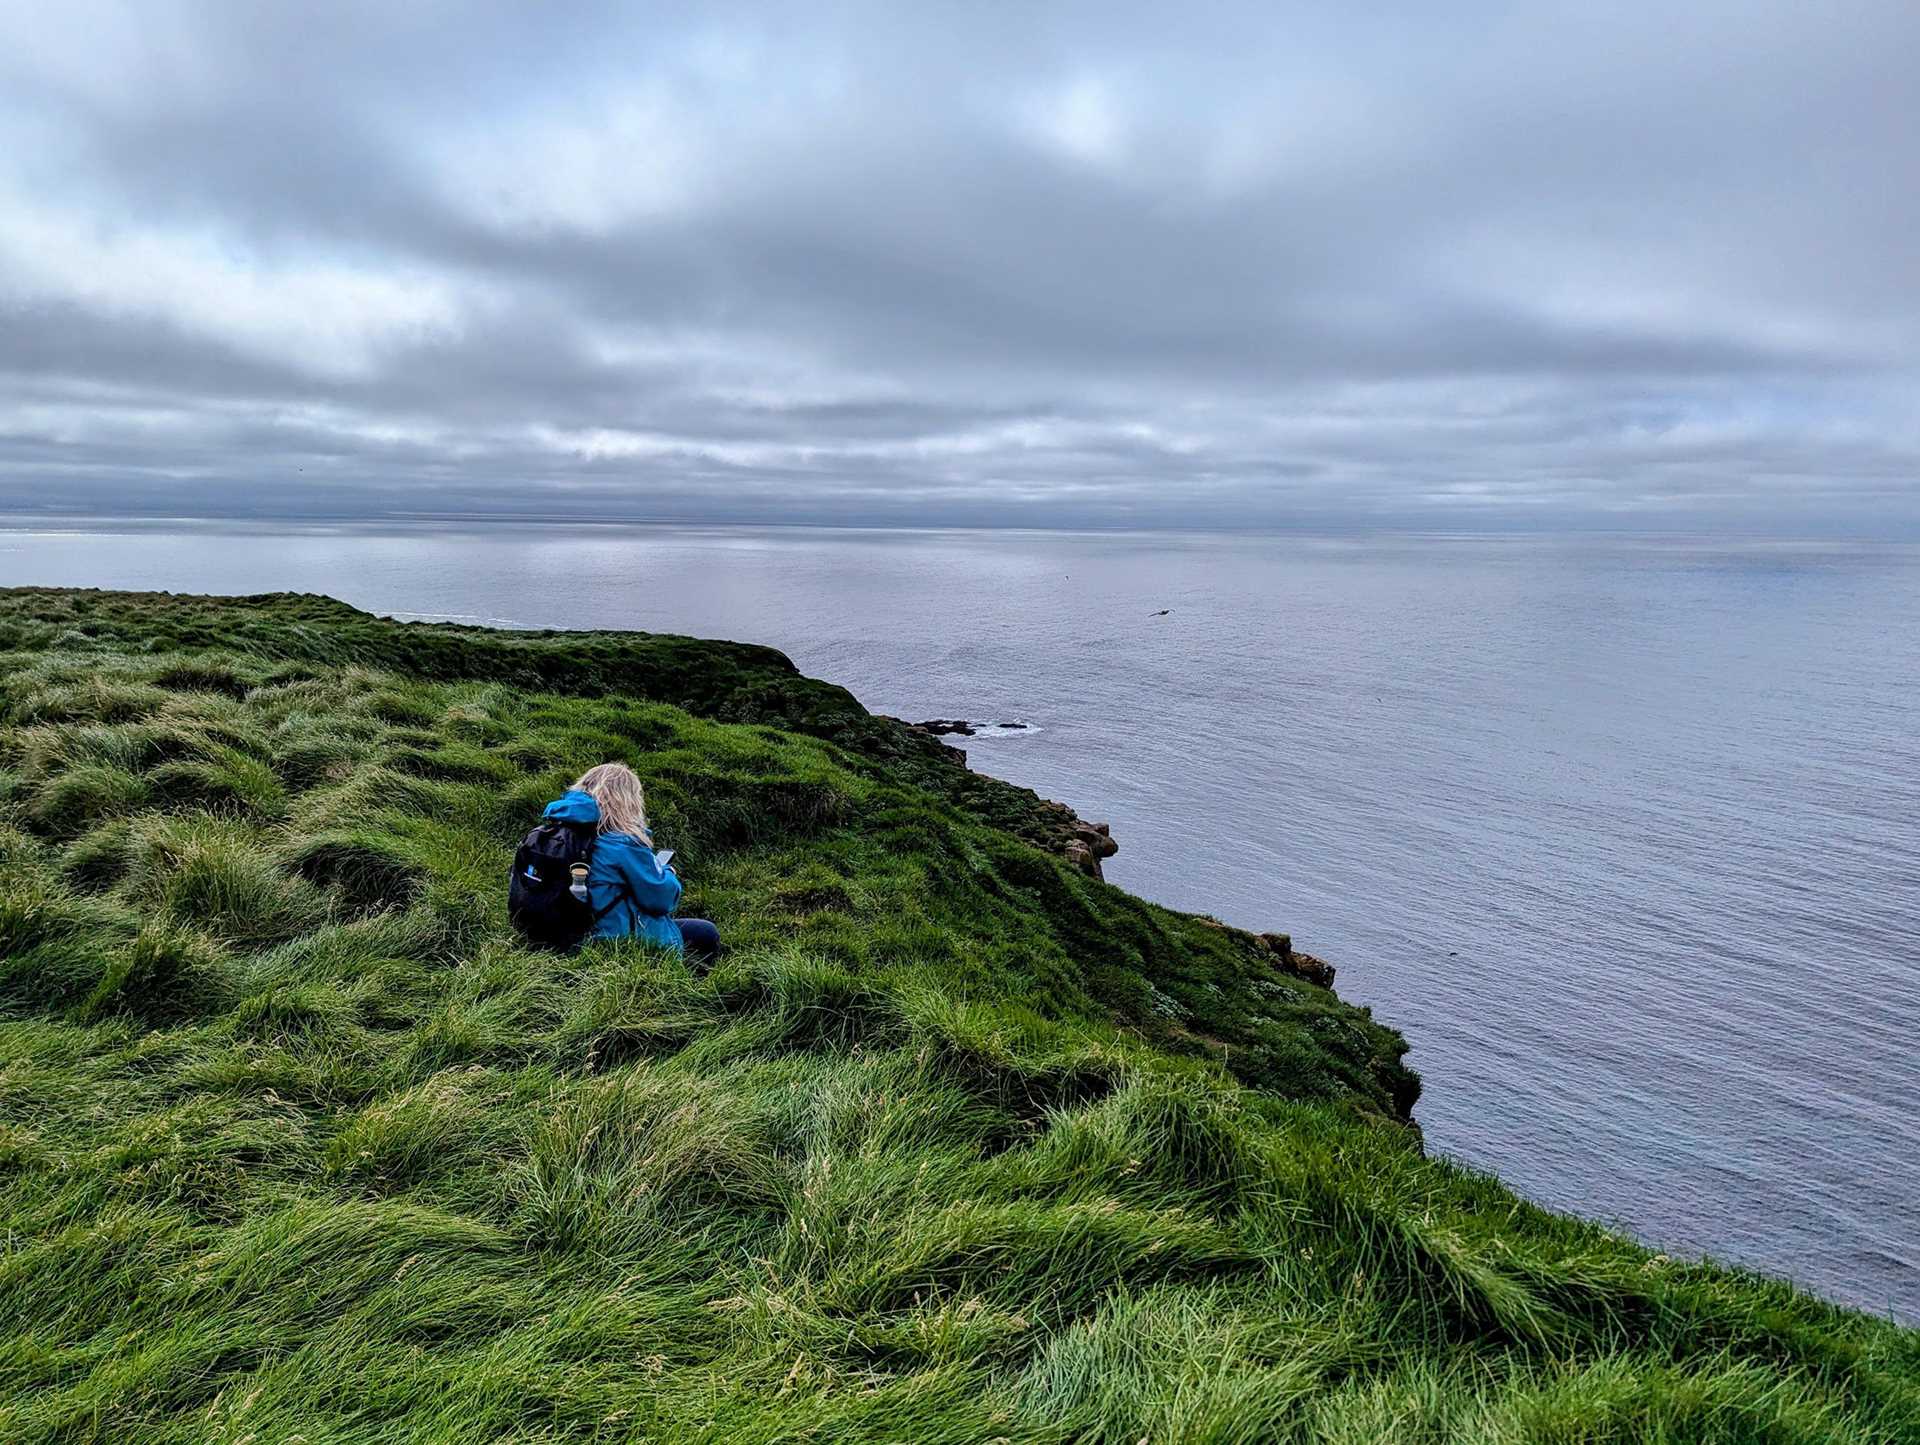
[{"x": 1625, "y": 836}]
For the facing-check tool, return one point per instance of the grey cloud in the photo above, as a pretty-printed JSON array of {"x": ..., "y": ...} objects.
[{"x": 1084, "y": 264}]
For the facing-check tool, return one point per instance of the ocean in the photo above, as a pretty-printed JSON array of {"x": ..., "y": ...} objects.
[{"x": 1624, "y": 834}]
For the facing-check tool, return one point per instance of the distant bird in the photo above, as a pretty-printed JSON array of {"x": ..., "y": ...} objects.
[{"x": 1164, "y": 612}]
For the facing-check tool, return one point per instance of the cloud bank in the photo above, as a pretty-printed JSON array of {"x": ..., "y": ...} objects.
[{"x": 1473, "y": 265}]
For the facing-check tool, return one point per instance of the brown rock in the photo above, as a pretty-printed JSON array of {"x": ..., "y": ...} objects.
[
  {"x": 1096, "y": 837},
  {"x": 1313, "y": 970}
]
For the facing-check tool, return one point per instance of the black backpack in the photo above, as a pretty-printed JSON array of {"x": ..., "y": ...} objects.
[{"x": 540, "y": 900}]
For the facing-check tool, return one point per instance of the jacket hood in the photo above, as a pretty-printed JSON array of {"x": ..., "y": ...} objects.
[{"x": 573, "y": 807}]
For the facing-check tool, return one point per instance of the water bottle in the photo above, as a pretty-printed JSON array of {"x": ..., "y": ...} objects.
[{"x": 578, "y": 888}]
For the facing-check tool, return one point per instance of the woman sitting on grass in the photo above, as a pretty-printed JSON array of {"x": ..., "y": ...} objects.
[{"x": 631, "y": 894}]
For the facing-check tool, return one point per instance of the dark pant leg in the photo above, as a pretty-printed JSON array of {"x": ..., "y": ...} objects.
[{"x": 701, "y": 938}]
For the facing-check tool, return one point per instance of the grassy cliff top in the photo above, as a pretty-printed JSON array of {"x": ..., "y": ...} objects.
[{"x": 958, "y": 1144}]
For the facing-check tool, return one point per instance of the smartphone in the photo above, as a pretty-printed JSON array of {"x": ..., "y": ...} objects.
[{"x": 663, "y": 856}]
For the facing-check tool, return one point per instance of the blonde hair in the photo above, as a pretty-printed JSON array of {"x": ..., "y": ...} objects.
[{"x": 623, "y": 805}]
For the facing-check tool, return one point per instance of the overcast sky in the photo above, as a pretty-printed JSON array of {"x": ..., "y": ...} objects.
[{"x": 1490, "y": 263}]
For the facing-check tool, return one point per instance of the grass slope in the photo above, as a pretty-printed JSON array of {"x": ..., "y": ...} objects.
[{"x": 959, "y": 1144}]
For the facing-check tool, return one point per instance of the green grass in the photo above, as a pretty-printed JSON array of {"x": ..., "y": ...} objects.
[{"x": 959, "y": 1144}]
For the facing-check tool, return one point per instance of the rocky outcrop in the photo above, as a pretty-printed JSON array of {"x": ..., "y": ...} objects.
[
  {"x": 1053, "y": 826},
  {"x": 1086, "y": 843},
  {"x": 951, "y": 726},
  {"x": 1277, "y": 952},
  {"x": 1279, "y": 947}
]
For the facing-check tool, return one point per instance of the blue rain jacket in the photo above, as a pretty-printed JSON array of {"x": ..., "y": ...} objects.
[{"x": 626, "y": 880}]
